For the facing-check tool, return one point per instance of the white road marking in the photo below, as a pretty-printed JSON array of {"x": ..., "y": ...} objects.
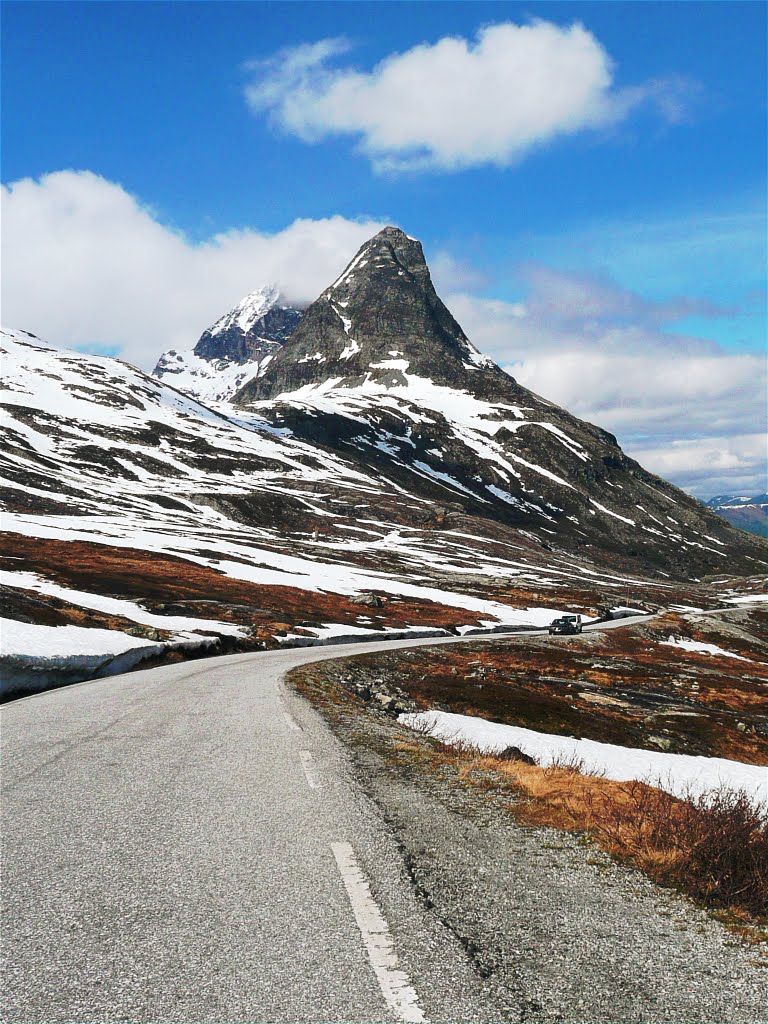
[
  {"x": 308, "y": 764},
  {"x": 291, "y": 722},
  {"x": 394, "y": 983}
]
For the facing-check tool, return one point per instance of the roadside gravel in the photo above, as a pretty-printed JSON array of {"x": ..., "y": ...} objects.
[{"x": 553, "y": 926}]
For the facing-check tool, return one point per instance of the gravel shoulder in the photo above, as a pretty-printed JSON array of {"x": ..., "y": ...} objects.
[{"x": 555, "y": 928}]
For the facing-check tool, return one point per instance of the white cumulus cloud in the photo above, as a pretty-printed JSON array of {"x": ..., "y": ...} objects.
[
  {"x": 87, "y": 264},
  {"x": 455, "y": 103}
]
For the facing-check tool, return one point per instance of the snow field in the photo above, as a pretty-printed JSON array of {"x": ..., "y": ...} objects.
[{"x": 679, "y": 774}]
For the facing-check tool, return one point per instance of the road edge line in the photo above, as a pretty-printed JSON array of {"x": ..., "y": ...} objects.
[{"x": 377, "y": 938}]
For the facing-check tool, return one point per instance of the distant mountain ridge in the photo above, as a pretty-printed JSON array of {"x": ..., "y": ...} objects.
[
  {"x": 233, "y": 350},
  {"x": 749, "y": 514}
]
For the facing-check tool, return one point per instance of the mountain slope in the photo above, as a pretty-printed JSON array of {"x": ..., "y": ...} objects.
[
  {"x": 233, "y": 350},
  {"x": 378, "y": 370},
  {"x": 131, "y": 507}
]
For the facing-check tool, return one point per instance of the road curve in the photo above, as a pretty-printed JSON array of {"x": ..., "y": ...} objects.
[{"x": 185, "y": 844}]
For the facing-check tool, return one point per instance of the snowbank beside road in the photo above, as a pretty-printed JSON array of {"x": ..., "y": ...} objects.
[
  {"x": 34, "y": 657},
  {"x": 678, "y": 774}
]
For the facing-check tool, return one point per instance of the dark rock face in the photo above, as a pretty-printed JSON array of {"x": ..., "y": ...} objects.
[
  {"x": 264, "y": 335},
  {"x": 382, "y": 309},
  {"x": 379, "y": 371},
  {"x": 233, "y": 350}
]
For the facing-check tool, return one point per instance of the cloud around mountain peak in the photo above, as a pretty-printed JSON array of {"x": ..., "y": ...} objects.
[
  {"x": 115, "y": 279},
  {"x": 114, "y": 275}
]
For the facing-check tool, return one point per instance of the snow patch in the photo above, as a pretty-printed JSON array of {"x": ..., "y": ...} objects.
[
  {"x": 696, "y": 647},
  {"x": 678, "y": 774}
]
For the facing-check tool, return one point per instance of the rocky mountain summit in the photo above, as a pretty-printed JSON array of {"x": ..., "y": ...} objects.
[
  {"x": 382, "y": 316},
  {"x": 380, "y": 372},
  {"x": 248, "y": 331},
  {"x": 234, "y": 350}
]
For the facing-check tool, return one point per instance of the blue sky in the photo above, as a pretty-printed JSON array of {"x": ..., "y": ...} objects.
[{"x": 654, "y": 187}]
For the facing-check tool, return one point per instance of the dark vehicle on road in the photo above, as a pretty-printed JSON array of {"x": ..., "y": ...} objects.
[{"x": 566, "y": 624}]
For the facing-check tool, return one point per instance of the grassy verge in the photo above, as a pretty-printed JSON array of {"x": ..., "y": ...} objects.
[{"x": 713, "y": 848}]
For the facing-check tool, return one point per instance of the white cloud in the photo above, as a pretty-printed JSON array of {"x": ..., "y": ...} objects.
[
  {"x": 456, "y": 103},
  {"x": 86, "y": 264},
  {"x": 737, "y": 461}
]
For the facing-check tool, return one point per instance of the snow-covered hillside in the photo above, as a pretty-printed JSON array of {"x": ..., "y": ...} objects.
[
  {"x": 131, "y": 506},
  {"x": 234, "y": 350},
  {"x": 211, "y": 380}
]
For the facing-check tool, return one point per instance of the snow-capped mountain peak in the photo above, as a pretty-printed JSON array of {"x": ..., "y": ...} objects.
[
  {"x": 234, "y": 350},
  {"x": 248, "y": 311}
]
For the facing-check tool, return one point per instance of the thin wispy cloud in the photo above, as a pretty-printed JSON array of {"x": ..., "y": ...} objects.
[
  {"x": 719, "y": 250},
  {"x": 457, "y": 103}
]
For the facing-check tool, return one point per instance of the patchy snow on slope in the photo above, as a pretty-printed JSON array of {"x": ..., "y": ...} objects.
[
  {"x": 212, "y": 381},
  {"x": 624, "y": 519},
  {"x": 443, "y": 478},
  {"x": 246, "y": 559},
  {"x": 350, "y": 350},
  {"x": 696, "y": 647},
  {"x": 114, "y": 606},
  {"x": 678, "y": 774},
  {"x": 473, "y": 421}
]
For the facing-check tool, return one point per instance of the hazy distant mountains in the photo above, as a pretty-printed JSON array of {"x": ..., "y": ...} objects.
[{"x": 750, "y": 514}]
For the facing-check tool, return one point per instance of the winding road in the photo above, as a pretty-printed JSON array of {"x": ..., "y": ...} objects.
[{"x": 186, "y": 844}]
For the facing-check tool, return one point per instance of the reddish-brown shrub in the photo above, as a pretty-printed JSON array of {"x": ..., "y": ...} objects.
[{"x": 713, "y": 846}]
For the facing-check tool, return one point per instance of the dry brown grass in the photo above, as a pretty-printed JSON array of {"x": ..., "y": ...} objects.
[
  {"x": 152, "y": 577},
  {"x": 713, "y": 847}
]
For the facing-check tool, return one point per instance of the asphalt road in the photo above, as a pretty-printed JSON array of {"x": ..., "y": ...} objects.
[{"x": 186, "y": 844}]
